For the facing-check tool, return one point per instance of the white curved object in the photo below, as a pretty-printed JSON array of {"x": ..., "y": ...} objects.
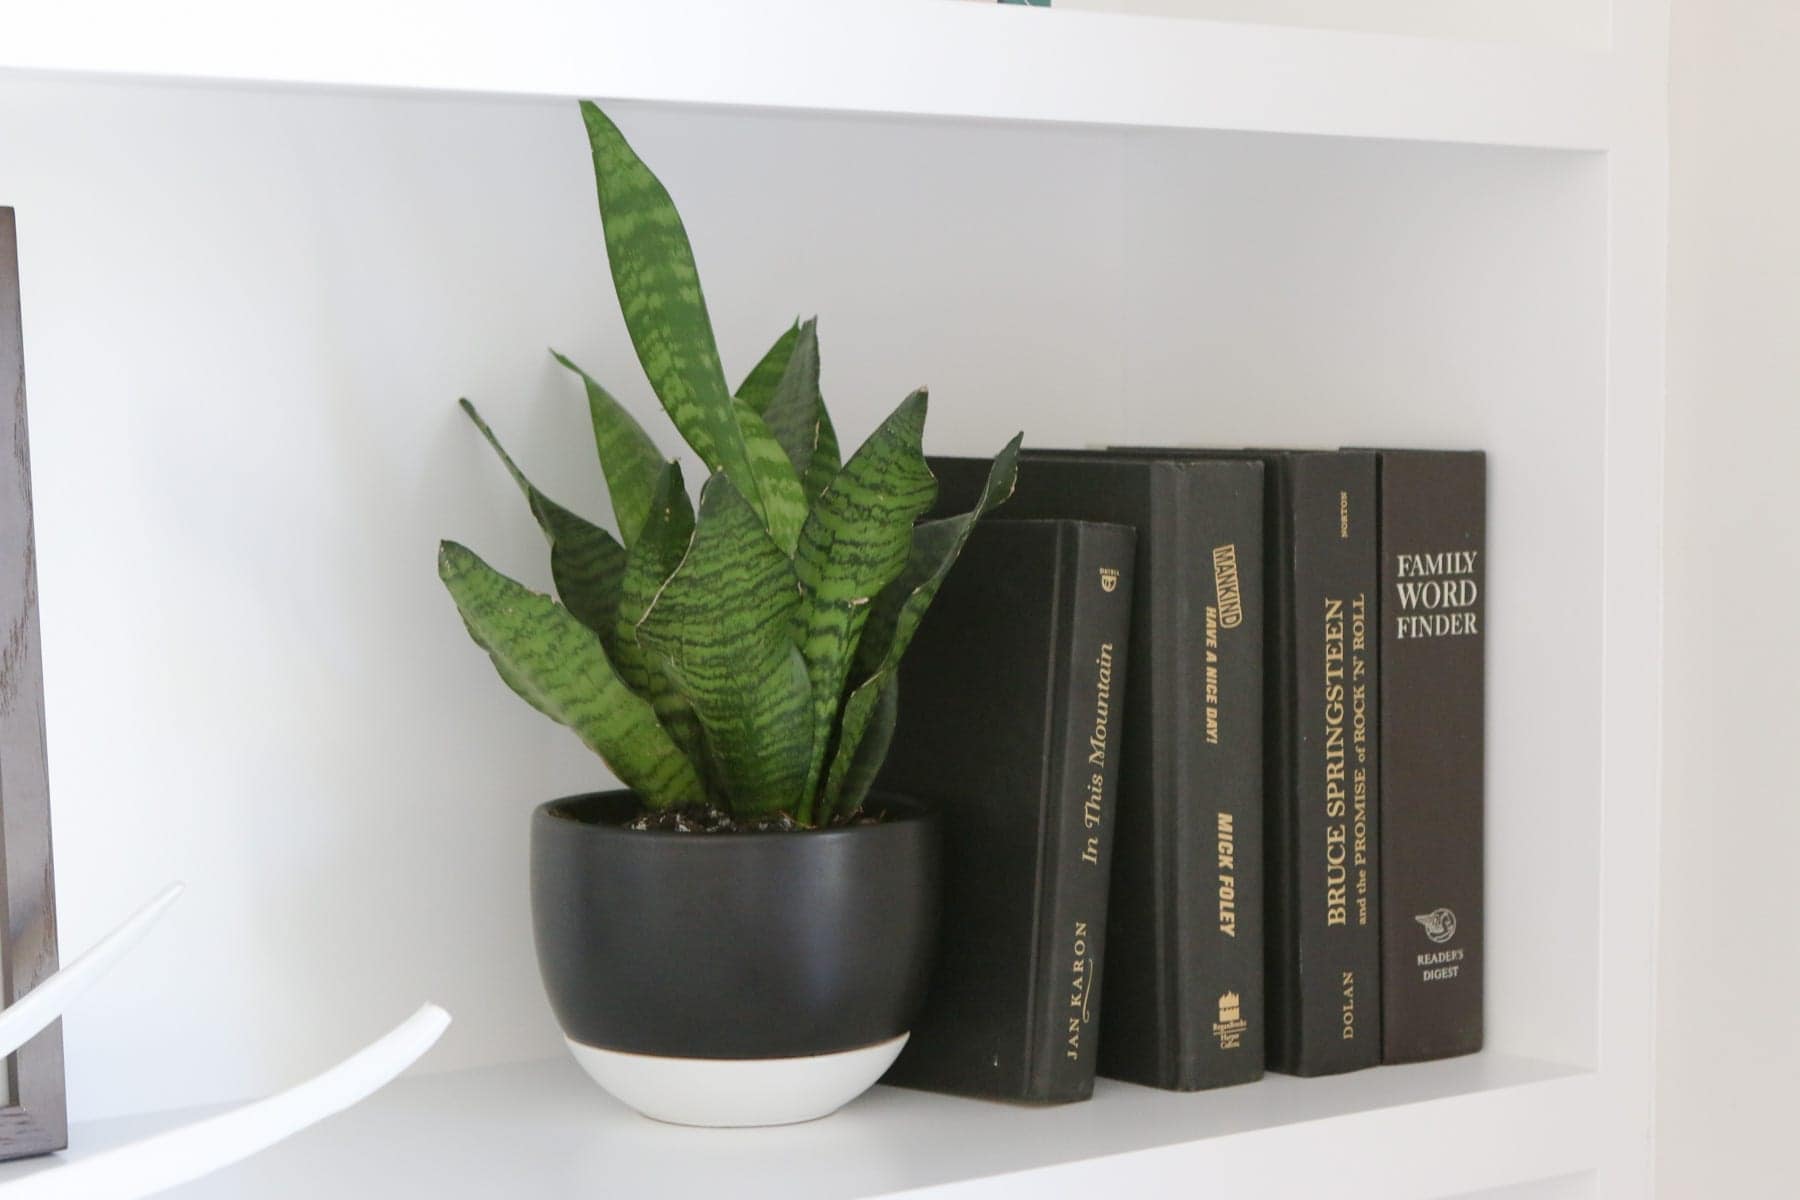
[
  {"x": 168, "y": 1159},
  {"x": 731, "y": 1092},
  {"x": 45, "y": 1002}
]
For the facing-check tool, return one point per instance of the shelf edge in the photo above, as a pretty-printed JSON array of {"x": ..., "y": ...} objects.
[{"x": 922, "y": 58}]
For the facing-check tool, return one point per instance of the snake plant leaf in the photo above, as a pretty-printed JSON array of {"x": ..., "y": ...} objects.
[
  {"x": 825, "y": 461},
  {"x": 855, "y": 542},
  {"x": 658, "y": 287},
  {"x": 558, "y": 666},
  {"x": 797, "y": 417},
  {"x": 723, "y": 624},
  {"x": 785, "y": 511},
  {"x": 587, "y": 567},
  {"x": 758, "y": 387},
  {"x": 586, "y": 563},
  {"x": 653, "y": 558},
  {"x": 871, "y": 752},
  {"x": 894, "y": 618},
  {"x": 628, "y": 457},
  {"x": 648, "y": 565}
]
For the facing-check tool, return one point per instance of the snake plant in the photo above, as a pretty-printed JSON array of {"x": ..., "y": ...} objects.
[{"x": 739, "y": 655}]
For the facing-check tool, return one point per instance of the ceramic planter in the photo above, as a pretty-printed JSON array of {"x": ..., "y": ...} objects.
[{"x": 734, "y": 978}]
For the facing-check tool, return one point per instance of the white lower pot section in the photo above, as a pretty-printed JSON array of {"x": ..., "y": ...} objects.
[{"x": 738, "y": 1091}]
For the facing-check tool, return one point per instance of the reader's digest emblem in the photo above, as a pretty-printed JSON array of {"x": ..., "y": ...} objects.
[{"x": 1439, "y": 923}]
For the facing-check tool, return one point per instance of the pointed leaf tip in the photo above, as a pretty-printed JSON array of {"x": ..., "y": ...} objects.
[
  {"x": 585, "y": 561},
  {"x": 758, "y": 387},
  {"x": 796, "y": 418},
  {"x": 558, "y": 665},
  {"x": 628, "y": 456},
  {"x": 896, "y": 614},
  {"x": 855, "y": 541},
  {"x": 657, "y": 284}
]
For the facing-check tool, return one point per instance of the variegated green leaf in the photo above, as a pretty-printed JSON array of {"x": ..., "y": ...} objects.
[
  {"x": 587, "y": 566},
  {"x": 658, "y": 287},
  {"x": 628, "y": 458},
  {"x": 558, "y": 666},
  {"x": 895, "y": 616},
  {"x": 585, "y": 561},
  {"x": 871, "y": 752},
  {"x": 796, "y": 416},
  {"x": 758, "y": 387},
  {"x": 785, "y": 510},
  {"x": 723, "y": 623},
  {"x": 648, "y": 565},
  {"x": 654, "y": 557},
  {"x": 853, "y": 545},
  {"x": 824, "y": 466}
]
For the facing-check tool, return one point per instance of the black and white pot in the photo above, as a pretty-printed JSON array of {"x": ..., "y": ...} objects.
[{"x": 734, "y": 978}]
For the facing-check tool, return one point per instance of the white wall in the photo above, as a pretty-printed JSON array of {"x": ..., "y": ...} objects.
[{"x": 1728, "y": 1039}]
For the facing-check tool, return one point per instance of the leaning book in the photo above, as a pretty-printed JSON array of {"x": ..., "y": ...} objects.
[{"x": 1011, "y": 718}]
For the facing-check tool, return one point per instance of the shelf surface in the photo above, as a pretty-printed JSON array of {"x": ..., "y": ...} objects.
[
  {"x": 542, "y": 1130},
  {"x": 910, "y": 57}
]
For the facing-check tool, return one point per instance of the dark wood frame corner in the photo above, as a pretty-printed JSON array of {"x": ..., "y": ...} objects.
[{"x": 36, "y": 1122}]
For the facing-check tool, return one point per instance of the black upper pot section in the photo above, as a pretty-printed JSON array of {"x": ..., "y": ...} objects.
[{"x": 733, "y": 945}]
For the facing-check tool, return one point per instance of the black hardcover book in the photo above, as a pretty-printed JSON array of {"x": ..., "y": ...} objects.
[
  {"x": 1433, "y": 574},
  {"x": 1324, "y": 952},
  {"x": 1010, "y": 717},
  {"x": 1184, "y": 992}
]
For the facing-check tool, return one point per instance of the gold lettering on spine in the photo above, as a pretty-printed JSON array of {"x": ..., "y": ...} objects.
[
  {"x": 1228, "y": 613},
  {"x": 1359, "y": 741},
  {"x": 1227, "y": 875},
  {"x": 1225, "y": 584},
  {"x": 1092, "y": 808},
  {"x": 1081, "y": 991},
  {"x": 1212, "y": 675},
  {"x": 1337, "y": 901}
]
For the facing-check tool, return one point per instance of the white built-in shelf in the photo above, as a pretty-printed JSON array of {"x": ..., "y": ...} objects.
[
  {"x": 542, "y": 1130},
  {"x": 910, "y": 57},
  {"x": 389, "y": 201}
]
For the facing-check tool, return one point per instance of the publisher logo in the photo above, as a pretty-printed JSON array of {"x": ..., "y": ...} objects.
[
  {"x": 1439, "y": 923},
  {"x": 1109, "y": 578},
  {"x": 1231, "y": 1024}
]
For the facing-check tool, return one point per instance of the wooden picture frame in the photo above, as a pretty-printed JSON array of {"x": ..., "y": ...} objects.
[{"x": 34, "y": 1118}]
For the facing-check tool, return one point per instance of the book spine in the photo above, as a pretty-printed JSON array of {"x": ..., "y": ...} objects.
[
  {"x": 1215, "y": 833},
  {"x": 1433, "y": 575},
  {"x": 1094, "y": 586},
  {"x": 1325, "y": 966}
]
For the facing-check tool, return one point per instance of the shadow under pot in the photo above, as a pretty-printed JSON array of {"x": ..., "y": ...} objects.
[{"x": 734, "y": 978}]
